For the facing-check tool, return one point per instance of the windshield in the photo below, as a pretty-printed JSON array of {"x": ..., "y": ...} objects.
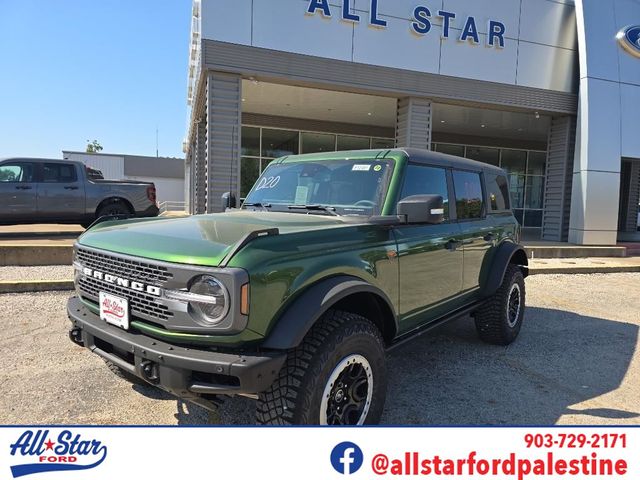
[{"x": 345, "y": 187}]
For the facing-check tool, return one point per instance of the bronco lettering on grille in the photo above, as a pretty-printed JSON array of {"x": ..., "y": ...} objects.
[{"x": 121, "y": 282}]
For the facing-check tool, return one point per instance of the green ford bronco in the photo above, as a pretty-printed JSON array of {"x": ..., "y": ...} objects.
[{"x": 294, "y": 298}]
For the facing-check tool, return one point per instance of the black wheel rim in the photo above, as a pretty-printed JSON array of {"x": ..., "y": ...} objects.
[
  {"x": 347, "y": 396},
  {"x": 513, "y": 305}
]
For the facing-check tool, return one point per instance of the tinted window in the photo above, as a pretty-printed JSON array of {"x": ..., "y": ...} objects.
[
  {"x": 421, "y": 180},
  {"x": 58, "y": 173},
  {"x": 16, "y": 172},
  {"x": 498, "y": 191},
  {"x": 468, "y": 194}
]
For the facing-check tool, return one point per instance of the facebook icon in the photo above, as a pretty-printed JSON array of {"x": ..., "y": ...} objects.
[{"x": 346, "y": 458}]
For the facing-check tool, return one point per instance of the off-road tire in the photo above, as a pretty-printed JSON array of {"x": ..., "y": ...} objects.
[
  {"x": 123, "y": 374},
  {"x": 113, "y": 207},
  {"x": 492, "y": 319},
  {"x": 295, "y": 396}
]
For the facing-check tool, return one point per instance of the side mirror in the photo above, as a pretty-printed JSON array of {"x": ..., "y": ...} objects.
[
  {"x": 228, "y": 201},
  {"x": 422, "y": 209}
]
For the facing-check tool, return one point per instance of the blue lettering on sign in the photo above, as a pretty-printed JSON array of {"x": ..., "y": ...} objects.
[
  {"x": 496, "y": 31},
  {"x": 421, "y": 24},
  {"x": 374, "y": 20},
  {"x": 346, "y": 12},
  {"x": 322, "y": 5},
  {"x": 470, "y": 30},
  {"x": 446, "y": 22}
]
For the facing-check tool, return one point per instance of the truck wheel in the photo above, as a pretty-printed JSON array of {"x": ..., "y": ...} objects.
[
  {"x": 499, "y": 320},
  {"x": 114, "y": 207},
  {"x": 337, "y": 376},
  {"x": 119, "y": 372}
]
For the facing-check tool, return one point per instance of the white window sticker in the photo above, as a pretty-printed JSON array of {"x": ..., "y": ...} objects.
[
  {"x": 301, "y": 195},
  {"x": 361, "y": 168}
]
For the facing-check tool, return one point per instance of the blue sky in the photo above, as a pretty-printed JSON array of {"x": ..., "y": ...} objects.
[{"x": 111, "y": 70}]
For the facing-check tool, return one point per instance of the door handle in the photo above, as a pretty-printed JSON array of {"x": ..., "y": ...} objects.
[
  {"x": 489, "y": 237},
  {"x": 23, "y": 187},
  {"x": 70, "y": 187},
  {"x": 452, "y": 245}
]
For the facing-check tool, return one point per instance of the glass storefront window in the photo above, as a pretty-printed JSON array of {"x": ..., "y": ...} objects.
[
  {"x": 533, "y": 218},
  {"x": 516, "y": 185},
  {"x": 249, "y": 173},
  {"x": 383, "y": 143},
  {"x": 250, "y": 142},
  {"x": 534, "y": 192},
  {"x": 318, "y": 142},
  {"x": 485, "y": 155},
  {"x": 537, "y": 162},
  {"x": 514, "y": 161},
  {"x": 278, "y": 143},
  {"x": 457, "y": 150},
  {"x": 353, "y": 143}
]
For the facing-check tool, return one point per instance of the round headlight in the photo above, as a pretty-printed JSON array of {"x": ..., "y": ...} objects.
[{"x": 210, "y": 301}]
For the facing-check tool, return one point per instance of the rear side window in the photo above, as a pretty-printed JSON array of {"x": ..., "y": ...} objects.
[
  {"x": 16, "y": 172},
  {"x": 423, "y": 180},
  {"x": 469, "y": 204},
  {"x": 59, "y": 173},
  {"x": 498, "y": 192}
]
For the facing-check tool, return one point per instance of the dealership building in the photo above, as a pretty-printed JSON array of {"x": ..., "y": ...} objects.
[{"x": 547, "y": 89}]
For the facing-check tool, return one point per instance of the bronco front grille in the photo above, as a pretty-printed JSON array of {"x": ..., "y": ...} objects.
[
  {"x": 140, "y": 303},
  {"x": 123, "y": 267}
]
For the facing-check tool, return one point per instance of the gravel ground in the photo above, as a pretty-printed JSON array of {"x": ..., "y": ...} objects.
[
  {"x": 55, "y": 272},
  {"x": 577, "y": 361}
]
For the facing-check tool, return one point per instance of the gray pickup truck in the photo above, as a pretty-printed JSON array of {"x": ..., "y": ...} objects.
[{"x": 34, "y": 190}]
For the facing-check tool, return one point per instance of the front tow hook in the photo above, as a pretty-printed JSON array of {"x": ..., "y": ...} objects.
[{"x": 75, "y": 335}]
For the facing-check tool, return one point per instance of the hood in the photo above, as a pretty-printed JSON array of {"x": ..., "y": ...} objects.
[{"x": 196, "y": 240}]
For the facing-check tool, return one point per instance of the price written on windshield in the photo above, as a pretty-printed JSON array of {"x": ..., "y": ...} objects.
[{"x": 268, "y": 182}]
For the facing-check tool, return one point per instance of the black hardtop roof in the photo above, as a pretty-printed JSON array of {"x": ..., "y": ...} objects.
[{"x": 443, "y": 160}]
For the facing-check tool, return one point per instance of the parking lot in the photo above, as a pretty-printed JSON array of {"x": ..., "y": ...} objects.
[{"x": 576, "y": 361}]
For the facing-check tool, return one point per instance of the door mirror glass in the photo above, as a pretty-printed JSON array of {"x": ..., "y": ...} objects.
[
  {"x": 228, "y": 201},
  {"x": 422, "y": 209}
]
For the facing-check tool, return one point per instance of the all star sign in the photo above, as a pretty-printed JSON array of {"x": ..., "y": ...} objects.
[{"x": 421, "y": 19}]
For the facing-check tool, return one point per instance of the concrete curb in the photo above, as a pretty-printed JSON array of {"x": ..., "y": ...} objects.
[
  {"x": 584, "y": 270},
  {"x": 31, "y": 255},
  {"x": 35, "y": 286}
]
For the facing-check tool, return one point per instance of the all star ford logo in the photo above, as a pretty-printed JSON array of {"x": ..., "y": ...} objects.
[
  {"x": 38, "y": 451},
  {"x": 121, "y": 282},
  {"x": 629, "y": 38}
]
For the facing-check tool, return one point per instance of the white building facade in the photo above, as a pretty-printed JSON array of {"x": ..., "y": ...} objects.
[{"x": 547, "y": 89}]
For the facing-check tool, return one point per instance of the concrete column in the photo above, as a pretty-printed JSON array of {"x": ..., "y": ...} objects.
[
  {"x": 224, "y": 110},
  {"x": 200, "y": 171},
  {"x": 559, "y": 179},
  {"x": 597, "y": 163},
  {"x": 413, "y": 123}
]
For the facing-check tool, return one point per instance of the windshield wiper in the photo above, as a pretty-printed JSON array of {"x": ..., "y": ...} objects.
[
  {"x": 321, "y": 208},
  {"x": 263, "y": 206}
]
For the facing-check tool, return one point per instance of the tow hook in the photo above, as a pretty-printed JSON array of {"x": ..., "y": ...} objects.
[
  {"x": 75, "y": 335},
  {"x": 149, "y": 371}
]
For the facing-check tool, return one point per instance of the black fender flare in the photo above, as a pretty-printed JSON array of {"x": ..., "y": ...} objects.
[
  {"x": 305, "y": 310},
  {"x": 504, "y": 255}
]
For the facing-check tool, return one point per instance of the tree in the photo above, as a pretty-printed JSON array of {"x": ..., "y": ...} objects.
[{"x": 93, "y": 147}]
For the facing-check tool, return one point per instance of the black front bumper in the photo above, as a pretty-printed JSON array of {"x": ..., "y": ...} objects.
[{"x": 194, "y": 374}]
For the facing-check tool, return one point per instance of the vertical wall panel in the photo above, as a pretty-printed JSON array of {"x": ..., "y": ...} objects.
[
  {"x": 634, "y": 198},
  {"x": 413, "y": 124},
  {"x": 201, "y": 168},
  {"x": 559, "y": 176},
  {"x": 224, "y": 110}
]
